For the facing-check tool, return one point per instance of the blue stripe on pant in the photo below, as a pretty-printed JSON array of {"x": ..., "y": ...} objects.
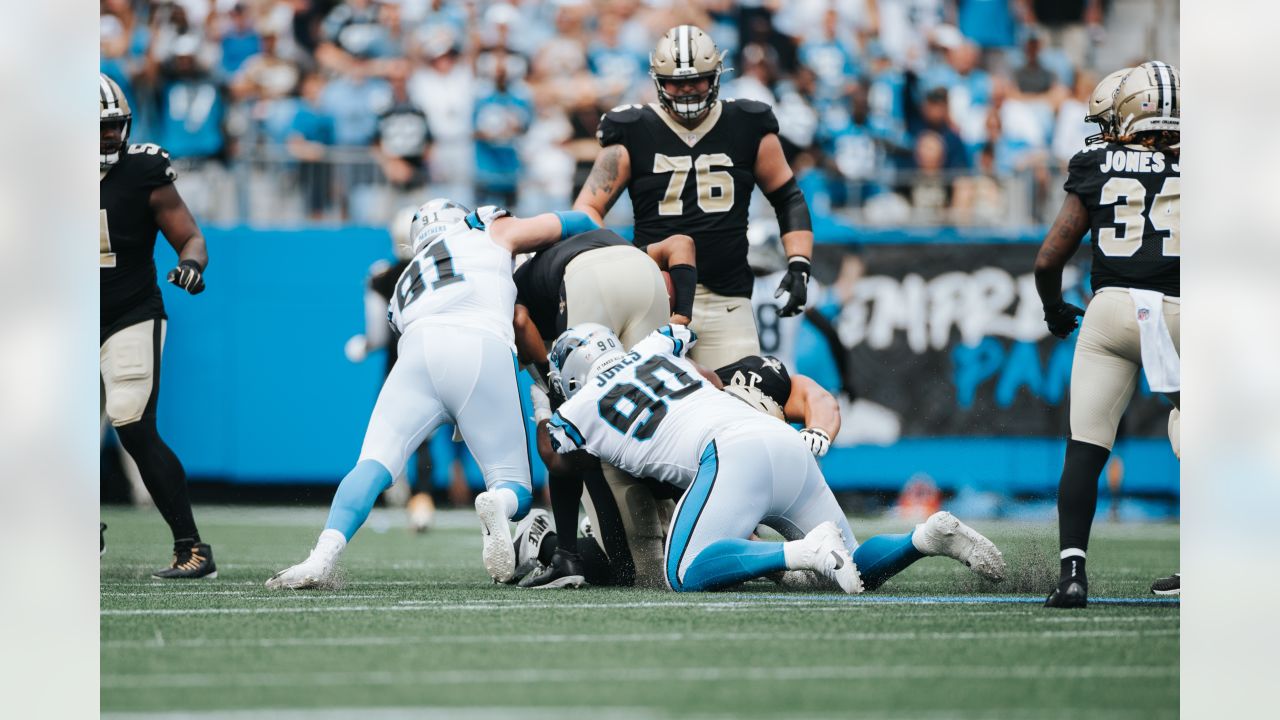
[{"x": 695, "y": 498}]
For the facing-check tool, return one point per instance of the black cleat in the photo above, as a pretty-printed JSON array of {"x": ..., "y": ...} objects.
[
  {"x": 102, "y": 539},
  {"x": 1171, "y": 585},
  {"x": 565, "y": 570},
  {"x": 190, "y": 562},
  {"x": 1071, "y": 593}
]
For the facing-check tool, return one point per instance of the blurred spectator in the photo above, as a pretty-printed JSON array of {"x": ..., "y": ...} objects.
[
  {"x": 170, "y": 23},
  {"x": 191, "y": 104},
  {"x": 830, "y": 55},
  {"x": 797, "y": 118},
  {"x": 930, "y": 189},
  {"x": 499, "y": 20},
  {"x": 311, "y": 132},
  {"x": 990, "y": 24},
  {"x": 238, "y": 38},
  {"x": 501, "y": 117},
  {"x": 756, "y": 80},
  {"x": 886, "y": 99},
  {"x": 1070, "y": 130},
  {"x": 1069, "y": 24},
  {"x": 547, "y": 156},
  {"x": 621, "y": 71},
  {"x": 443, "y": 87},
  {"x": 856, "y": 148},
  {"x": 978, "y": 199},
  {"x": 268, "y": 75},
  {"x": 935, "y": 117},
  {"x": 1033, "y": 79},
  {"x": 905, "y": 26},
  {"x": 403, "y": 137},
  {"x": 969, "y": 91},
  {"x": 356, "y": 33}
]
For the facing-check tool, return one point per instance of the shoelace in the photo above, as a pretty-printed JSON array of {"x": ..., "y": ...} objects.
[{"x": 193, "y": 561}]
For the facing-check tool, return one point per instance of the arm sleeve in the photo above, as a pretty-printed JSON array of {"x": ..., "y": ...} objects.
[{"x": 565, "y": 437}]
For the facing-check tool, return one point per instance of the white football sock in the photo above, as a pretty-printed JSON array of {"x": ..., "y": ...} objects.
[
  {"x": 507, "y": 500},
  {"x": 793, "y": 555},
  {"x": 331, "y": 542}
]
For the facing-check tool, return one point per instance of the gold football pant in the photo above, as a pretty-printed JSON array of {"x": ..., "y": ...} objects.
[{"x": 726, "y": 328}]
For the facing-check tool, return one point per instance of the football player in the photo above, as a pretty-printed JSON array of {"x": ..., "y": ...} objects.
[
  {"x": 456, "y": 364},
  {"x": 137, "y": 198},
  {"x": 1126, "y": 193},
  {"x": 597, "y": 276},
  {"x": 649, "y": 412},
  {"x": 690, "y": 163}
]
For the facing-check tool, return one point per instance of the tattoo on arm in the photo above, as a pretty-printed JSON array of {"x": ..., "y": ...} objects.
[{"x": 604, "y": 176}]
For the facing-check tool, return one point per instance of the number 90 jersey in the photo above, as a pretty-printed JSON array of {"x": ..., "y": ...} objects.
[
  {"x": 695, "y": 181},
  {"x": 650, "y": 413},
  {"x": 460, "y": 280},
  {"x": 1133, "y": 194}
]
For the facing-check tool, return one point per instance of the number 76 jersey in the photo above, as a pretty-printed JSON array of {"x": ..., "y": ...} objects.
[
  {"x": 460, "y": 280},
  {"x": 649, "y": 412},
  {"x": 1133, "y": 195}
]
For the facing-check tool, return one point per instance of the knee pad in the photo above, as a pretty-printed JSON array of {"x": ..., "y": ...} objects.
[
  {"x": 127, "y": 378},
  {"x": 126, "y": 404}
]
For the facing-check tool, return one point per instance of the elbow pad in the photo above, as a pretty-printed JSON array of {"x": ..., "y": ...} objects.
[
  {"x": 684, "y": 282},
  {"x": 790, "y": 206}
]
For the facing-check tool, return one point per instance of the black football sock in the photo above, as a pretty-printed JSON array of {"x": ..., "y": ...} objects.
[
  {"x": 566, "y": 495},
  {"x": 1077, "y": 502},
  {"x": 550, "y": 542},
  {"x": 163, "y": 475}
]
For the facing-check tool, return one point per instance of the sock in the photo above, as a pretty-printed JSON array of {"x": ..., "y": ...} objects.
[
  {"x": 883, "y": 556},
  {"x": 1071, "y": 566},
  {"x": 728, "y": 562},
  {"x": 355, "y": 497},
  {"x": 791, "y": 555},
  {"x": 596, "y": 567},
  {"x": 515, "y": 499},
  {"x": 331, "y": 542},
  {"x": 163, "y": 474},
  {"x": 1078, "y": 493},
  {"x": 566, "y": 494}
]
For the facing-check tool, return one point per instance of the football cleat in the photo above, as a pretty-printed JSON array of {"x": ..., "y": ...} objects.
[
  {"x": 565, "y": 571},
  {"x": 1071, "y": 594},
  {"x": 499, "y": 552},
  {"x": 944, "y": 534},
  {"x": 317, "y": 570},
  {"x": 1171, "y": 585},
  {"x": 190, "y": 562},
  {"x": 823, "y": 551},
  {"x": 102, "y": 539},
  {"x": 422, "y": 512},
  {"x": 530, "y": 533}
]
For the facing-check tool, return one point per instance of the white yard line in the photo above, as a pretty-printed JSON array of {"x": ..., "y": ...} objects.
[{"x": 909, "y": 636}]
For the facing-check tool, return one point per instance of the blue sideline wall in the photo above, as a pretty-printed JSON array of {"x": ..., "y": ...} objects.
[{"x": 256, "y": 389}]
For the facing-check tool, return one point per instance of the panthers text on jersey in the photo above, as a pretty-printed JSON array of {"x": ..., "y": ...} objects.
[
  {"x": 460, "y": 280},
  {"x": 650, "y": 413},
  {"x": 711, "y": 206},
  {"x": 1133, "y": 195},
  {"x": 127, "y": 237}
]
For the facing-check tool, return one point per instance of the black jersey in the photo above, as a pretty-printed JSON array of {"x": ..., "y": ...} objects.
[
  {"x": 382, "y": 280},
  {"x": 540, "y": 282},
  {"x": 765, "y": 373},
  {"x": 127, "y": 237},
  {"x": 696, "y": 182},
  {"x": 1132, "y": 195}
]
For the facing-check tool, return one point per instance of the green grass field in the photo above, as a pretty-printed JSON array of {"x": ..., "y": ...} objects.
[{"x": 419, "y": 631}]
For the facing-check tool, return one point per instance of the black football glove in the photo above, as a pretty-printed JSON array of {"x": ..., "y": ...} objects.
[
  {"x": 795, "y": 285},
  {"x": 188, "y": 277},
  {"x": 1061, "y": 318}
]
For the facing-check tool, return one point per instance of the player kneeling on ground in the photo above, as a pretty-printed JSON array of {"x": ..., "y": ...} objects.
[{"x": 453, "y": 308}]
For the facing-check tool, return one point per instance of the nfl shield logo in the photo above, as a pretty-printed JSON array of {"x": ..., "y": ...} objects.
[{"x": 1143, "y": 314}]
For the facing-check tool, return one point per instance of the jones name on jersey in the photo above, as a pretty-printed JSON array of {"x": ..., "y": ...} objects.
[
  {"x": 1133, "y": 196},
  {"x": 127, "y": 237},
  {"x": 649, "y": 412},
  {"x": 711, "y": 206}
]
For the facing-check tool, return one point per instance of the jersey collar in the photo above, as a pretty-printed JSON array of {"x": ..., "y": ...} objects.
[{"x": 690, "y": 136}]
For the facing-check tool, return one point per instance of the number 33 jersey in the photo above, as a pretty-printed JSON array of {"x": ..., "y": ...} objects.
[
  {"x": 1133, "y": 195},
  {"x": 650, "y": 413},
  {"x": 460, "y": 280}
]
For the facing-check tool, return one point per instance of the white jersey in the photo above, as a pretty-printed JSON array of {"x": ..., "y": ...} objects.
[
  {"x": 777, "y": 334},
  {"x": 461, "y": 280},
  {"x": 650, "y": 413}
]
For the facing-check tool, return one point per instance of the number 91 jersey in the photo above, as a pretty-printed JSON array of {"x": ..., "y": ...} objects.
[
  {"x": 649, "y": 412},
  {"x": 461, "y": 280},
  {"x": 1133, "y": 195}
]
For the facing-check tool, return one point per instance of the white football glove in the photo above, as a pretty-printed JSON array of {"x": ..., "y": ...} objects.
[
  {"x": 356, "y": 349},
  {"x": 489, "y": 213},
  {"x": 817, "y": 440},
  {"x": 541, "y": 403}
]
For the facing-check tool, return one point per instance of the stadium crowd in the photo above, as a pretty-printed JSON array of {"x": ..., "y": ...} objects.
[{"x": 893, "y": 111}]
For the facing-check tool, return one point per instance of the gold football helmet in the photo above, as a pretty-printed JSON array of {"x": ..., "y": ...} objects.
[
  {"x": 685, "y": 52},
  {"x": 1101, "y": 111},
  {"x": 113, "y": 111},
  {"x": 1148, "y": 100}
]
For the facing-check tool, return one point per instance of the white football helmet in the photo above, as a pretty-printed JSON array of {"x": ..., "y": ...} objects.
[
  {"x": 578, "y": 350},
  {"x": 754, "y": 397},
  {"x": 438, "y": 218},
  {"x": 1148, "y": 100}
]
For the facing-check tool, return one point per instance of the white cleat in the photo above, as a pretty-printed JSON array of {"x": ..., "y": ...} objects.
[
  {"x": 944, "y": 534},
  {"x": 825, "y": 553},
  {"x": 317, "y": 571},
  {"x": 499, "y": 553}
]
